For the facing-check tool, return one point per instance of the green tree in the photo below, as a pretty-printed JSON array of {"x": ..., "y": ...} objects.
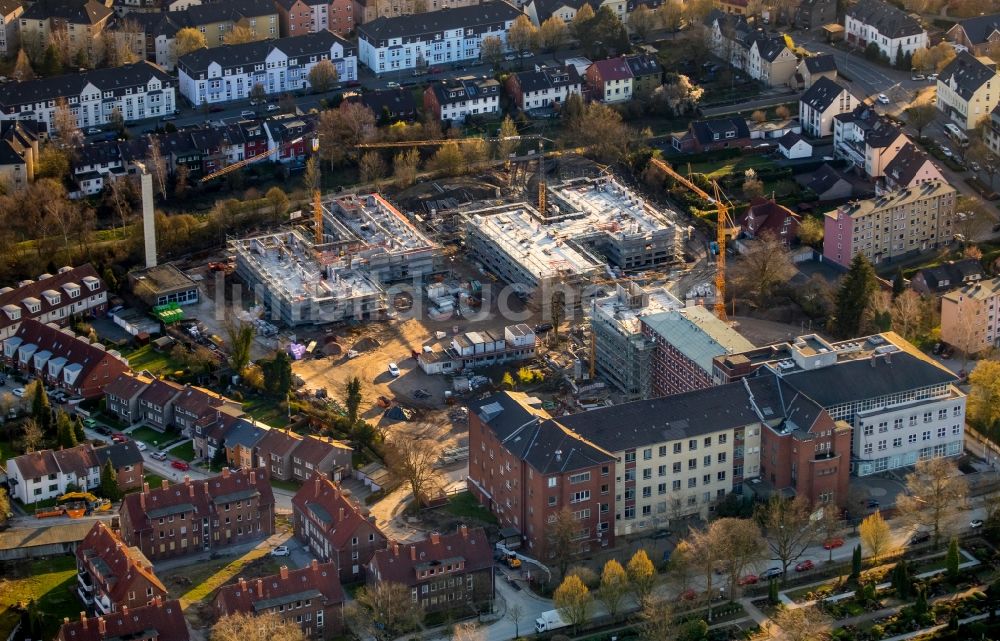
[
  {"x": 65, "y": 434},
  {"x": 898, "y": 283},
  {"x": 278, "y": 375},
  {"x": 5, "y": 512},
  {"x": 278, "y": 201},
  {"x": 53, "y": 163},
  {"x": 109, "y": 482},
  {"x": 953, "y": 559},
  {"x": 614, "y": 587},
  {"x": 240, "y": 336},
  {"x": 352, "y": 399},
  {"x": 772, "y": 592},
  {"x": 641, "y": 574},
  {"x": 853, "y": 297},
  {"x": 448, "y": 160},
  {"x": 552, "y": 34},
  {"x": 573, "y": 601},
  {"x": 51, "y": 65},
  {"x": 901, "y": 579},
  {"x": 920, "y": 607},
  {"x": 508, "y": 142},
  {"x": 856, "y": 563},
  {"x": 919, "y": 116},
  {"x": 41, "y": 409},
  {"x": 522, "y": 35}
]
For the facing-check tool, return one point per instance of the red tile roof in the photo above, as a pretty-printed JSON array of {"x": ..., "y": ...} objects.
[
  {"x": 330, "y": 509},
  {"x": 401, "y": 563},
  {"x": 613, "y": 69},
  {"x": 314, "y": 449},
  {"x": 66, "y": 345},
  {"x": 127, "y": 385},
  {"x": 123, "y": 564},
  {"x": 195, "y": 400},
  {"x": 36, "y": 464},
  {"x": 160, "y": 392},
  {"x": 34, "y": 290},
  {"x": 79, "y": 460},
  {"x": 163, "y": 618},
  {"x": 318, "y": 581},
  {"x": 279, "y": 442},
  {"x": 196, "y": 495},
  {"x": 767, "y": 215}
]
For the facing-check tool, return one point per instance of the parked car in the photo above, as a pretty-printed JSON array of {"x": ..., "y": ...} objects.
[
  {"x": 947, "y": 152},
  {"x": 975, "y": 166},
  {"x": 93, "y": 130},
  {"x": 526, "y": 54},
  {"x": 918, "y": 76},
  {"x": 281, "y": 550},
  {"x": 883, "y": 99},
  {"x": 750, "y": 579},
  {"x": 141, "y": 446},
  {"x": 247, "y": 113},
  {"x": 509, "y": 57},
  {"x": 392, "y": 84},
  {"x": 19, "y": 392},
  {"x": 803, "y": 566},
  {"x": 873, "y": 504},
  {"x": 273, "y": 108},
  {"x": 919, "y": 537},
  {"x": 393, "y": 370},
  {"x": 832, "y": 544},
  {"x": 103, "y": 431},
  {"x": 541, "y": 328},
  {"x": 689, "y": 595},
  {"x": 771, "y": 573},
  {"x": 159, "y": 456},
  {"x": 975, "y": 524},
  {"x": 89, "y": 422},
  {"x": 180, "y": 465}
]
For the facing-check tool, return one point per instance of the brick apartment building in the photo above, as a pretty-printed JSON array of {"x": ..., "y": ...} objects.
[
  {"x": 195, "y": 516},
  {"x": 72, "y": 291},
  {"x": 335, "y": 527},
  {"x": 970, "y": 316},
  {"x": 526, "y": 467},
  {"x": 160, "y": 621},
  {"x": 112, "y": 575},
  {"x": 445, "y": 572},
  {"x": 312, "y": 597}
]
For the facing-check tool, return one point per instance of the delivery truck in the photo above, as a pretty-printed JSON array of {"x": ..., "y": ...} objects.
[{"x": 548, "y": 621}]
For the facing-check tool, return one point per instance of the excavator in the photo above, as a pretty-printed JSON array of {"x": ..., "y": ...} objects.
[{"x": 75, "y": 505}]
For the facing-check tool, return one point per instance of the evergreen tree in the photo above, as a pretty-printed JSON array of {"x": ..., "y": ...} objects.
[
  {"x": 853, "y": 297},
  {"x": 772, "y": 592},
  {"x": 898, "y": 283},
  {"x": 920, "y": 607},
  {"x": 81, "y": 435},
  {"x": 219, "y": 458},
  {"x": 109, "y": 482},
  {"x": 856, "y": 563},
  {"x": 278, "y": 375},
  {"x": 65, "y": 434},
  {"x": 352, "y": 399},
  {"x": 41, "y": 409},
  {"x": 51, "y": 66},
  {"x": 953, "y": 560}
]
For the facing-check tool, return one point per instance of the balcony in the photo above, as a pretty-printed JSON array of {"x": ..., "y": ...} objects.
[
  {"x": 102, "y": 604},
  {"x": 85, "y": 585}
]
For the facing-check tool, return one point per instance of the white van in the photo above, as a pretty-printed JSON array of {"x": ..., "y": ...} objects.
[{"x": 956, "y": 134}]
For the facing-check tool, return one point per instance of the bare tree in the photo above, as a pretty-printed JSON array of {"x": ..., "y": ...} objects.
[
  {"x": 706, "y": 553},
  {"x": 31, "y": 436},
  {"x": 560, "y": 534},
  {"x": 803, "y": 624},
  {"x": 156, "y": 165},
  {"x": 411, "y": 461},
  {"x": 788, "y": 527},
  {"x": 64, "y": 122},
  {"x": 383, "y": 611},
  {"x": 658, "y": 621},
  {"x": 371, "y": 167},
  {"x": 491, "y": 50},
  {"x": 935, "y": 491},
  {"x": 762, "y": 268},
  {"x": 404, "y": 167},
  {"x": 972, "y": 218},
  {"x": 248, "y": 627},
  {"x": 468, "y": 632},
  {"x": 514, "y": 612},
  {"x": 830, "y": 524},
  {"x": 742, "y": 546}
]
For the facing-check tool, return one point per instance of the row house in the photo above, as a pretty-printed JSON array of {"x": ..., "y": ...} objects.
[
  {"x": 366, "y": 11},
  {"x": 298, "y": 17},
  {"x": 136, "y": 91},
  {"x": 910, "y": 168},
  {"x": 766, "y": 216},
  {"x": 209, "y": 431},
  {"x": 525, "y": 467},
  {"x": 216, "y": 20},
  {"x": 891, "y": 225},
  {"x": 47, "y": 474},
  {"x": 763, "y": 56},
  {"x": 867, "y": 140},
  {"x": 82, "y": 22},
  {"x": 61, "y": 359},
  {"x": 393, "y": 44},
  {"x": 970, "y": 316},
  {"x": 230, "y": 72},
  {"x": 72, "y": 292},
  {"x": 978, "y": 35},
  {"x": 445, "y": 573},
  {"x": 541, "y": 10},
  {"x": 19, "y": 152},
  {"x": 335, "y": 528},
  {"x": 876, "y": 22},
  {"x": 156, "y": 404},
  {"x": 819, "y": 105},
  {"x": 288, "y": 456},
  {"x": 968, "y": 89},
  {"x": 131, "y": 396},
  {"x": 192, "y": 517},
  {"x": 10, "y": 34},
  {"x": 902, "y": 407},
  {"x": 456, "y": 100},
  {"x": 610, "y": 80},
  {"x": 952, "y": 274},
  {"x": 111, "y": 575},
  {"x": 812, "y": 68},
  {"x": 241, "y": 442},
  {"x": 162, "y": 620},
  {"x": 311, "y": 596},
  {"x": 712, "y": 135},
  {"x": 388, "y": 105},
  {"x": 544, "y": 88}
]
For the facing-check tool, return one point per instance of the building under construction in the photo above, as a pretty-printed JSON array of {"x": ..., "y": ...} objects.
[
  {"x": 622, "y": 355},
  {"x": 369, "y": 228},
  {"x": 604, "y": 216},
  {"x": 512, "y": 242},
  {"x": 303, "y": 283}
]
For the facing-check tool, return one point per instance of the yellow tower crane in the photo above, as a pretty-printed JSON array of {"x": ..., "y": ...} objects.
[{"x": 724, "y": 225}]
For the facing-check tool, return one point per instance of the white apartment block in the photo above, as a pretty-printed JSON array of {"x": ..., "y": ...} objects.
[
  {"x": 820, "y": 104},
  {"x": 968, "y": 89},
  {"x": 137, "y": 91},
  {"x": 893, "y": 31},
  {"x": 229, "y": 72},
  {"x": 456, "y": 100},
  {"x": 387, "y": 45},
  {"x": 44, "y": 475},
  {"x": 10, "y": 12}
]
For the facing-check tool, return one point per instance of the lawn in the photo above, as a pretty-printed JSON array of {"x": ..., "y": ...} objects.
[
  {"x": 465, "y": 505},
  {"x": 46, "y": 581},
  {"x": 196, "y": 583},
  {"x": 722, "y": 168},
  {"x": 156, "y": 362},
  {"x": 154, "y": 480},
  {"x": 184, "y": 451},
  {"x": 151, "y": 437},
  {"x": 266, "y": 410}
]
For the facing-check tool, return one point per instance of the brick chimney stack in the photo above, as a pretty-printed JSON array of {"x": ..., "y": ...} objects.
[
  {"x": 145, "y": 488},
  {"x": 207, "y": 493},
  {"x": 464, "y": 530},
  {"x": 260, "y": 588},
  {"x": 253, "y": 477},
  {"x": 225, "y": 472},
  {"x": 83, "y": 619},
  {"x": 190, "y": 487},
  {"x": 395, "y": 548},
  {"x": 243, "y": 584},
  {"x": 314, "y": 565},
  {"x": 164, "y": 484},
  {"x": 125, "y": 610},
  {"x": 413, "y": 553},
  {"x": 319, "y": 482},
  {"x": 142, "y": 496},
  {"x": 283, "y": 572},
  {"x": 102, "y": 628},
  {"x": 341, "y": 515},
  {"x": 435, "y": 538}
]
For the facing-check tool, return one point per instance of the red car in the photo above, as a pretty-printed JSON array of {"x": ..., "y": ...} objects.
[
  {"x": 118, "y": 437},
  {"x": 804, "y": 565},
  {"x": 689, "y": 595},
  {"x": 833, "y": 544},
  {"x": 180, "y": 465},
  {"x": 750, "y": 579}
]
